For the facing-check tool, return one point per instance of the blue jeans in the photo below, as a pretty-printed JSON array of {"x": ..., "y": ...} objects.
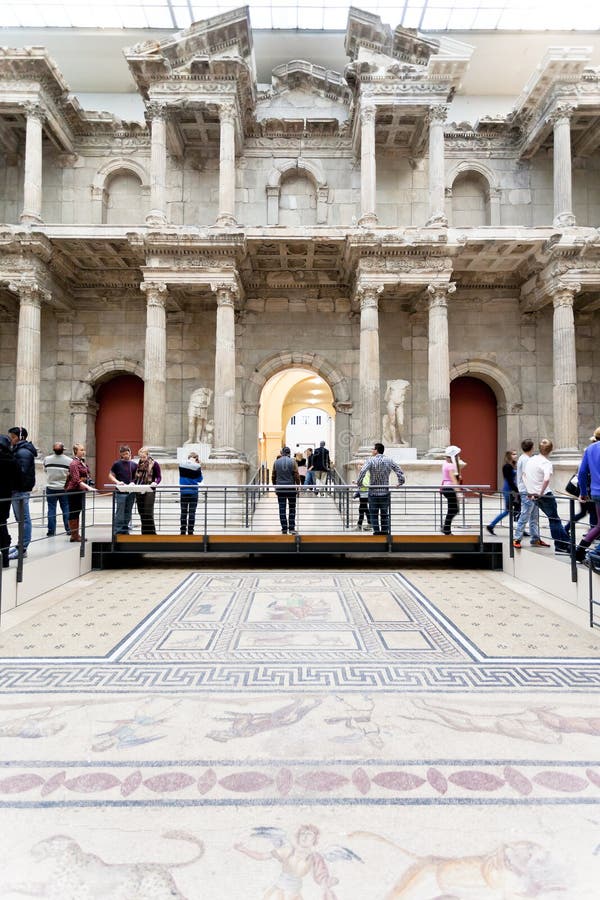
[
  {"x": 54, "y": 496},
  {"x": 547, "y": 504},
  {"x": 24, "y": 496},
  {"x": 123, "y": 510},
  {"x": 529, "y": 514},
  {"x": 310, "y": 478},
  {"x": 507, "y": 507},
  {"x": 379, "y": 504}
]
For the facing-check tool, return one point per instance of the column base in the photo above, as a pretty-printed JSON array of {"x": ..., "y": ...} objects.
[
  {"x": 159, "y": 452},
  {"x": 439, "y": 220},
  {"x": 225, "y": 453},
  {"x": 564, "y": 453},
  {"x": 30, "y": 219},
  {"x": 435, "y": 453},
  {"x": 226, "y": 220},
  {"x": 369, "y": 220},
  {"x": 156, "y": 218},
  {"x": 564, "y": 220}
]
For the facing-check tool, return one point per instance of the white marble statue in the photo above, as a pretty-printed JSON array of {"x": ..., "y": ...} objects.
[
  {"x": 393, "y": 420},
  {"x": 198, "y": 422}
]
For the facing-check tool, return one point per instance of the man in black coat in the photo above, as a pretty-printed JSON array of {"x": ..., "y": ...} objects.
[
  {"x": 9, "y": 482},
  {"x": 24, "y": 453}
]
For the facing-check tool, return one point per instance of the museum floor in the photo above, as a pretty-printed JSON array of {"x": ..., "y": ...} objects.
[{"x": 354, "y": 732}]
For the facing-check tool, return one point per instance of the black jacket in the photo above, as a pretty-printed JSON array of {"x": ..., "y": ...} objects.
[
  {"x": 9, "y": 479},
  {"x": 320, "y": 460},
  {"x": 25, "y": 454}
]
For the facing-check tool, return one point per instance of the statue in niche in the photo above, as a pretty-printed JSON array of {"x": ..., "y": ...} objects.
[
  {"x": 198, "y": 422},
  {"x": 393, "y": 420}
]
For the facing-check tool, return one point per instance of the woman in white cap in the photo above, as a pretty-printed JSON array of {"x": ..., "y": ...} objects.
[{"x": 450, "y": 478}]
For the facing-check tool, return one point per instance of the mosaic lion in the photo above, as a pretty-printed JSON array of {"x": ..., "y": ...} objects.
[{"x": 516, "y": 870}]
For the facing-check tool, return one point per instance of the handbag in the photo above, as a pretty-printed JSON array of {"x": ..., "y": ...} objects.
[{"x": 572, "y": 486}]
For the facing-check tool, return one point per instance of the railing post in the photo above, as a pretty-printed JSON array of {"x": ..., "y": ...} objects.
[
  {"x": 112, "y": 522},
  {"x": 572, "y": 539},
  {"x": 21, "y": 508},
  {"x": 481, "y": 521},
  {"x": 83, "y": 523},
  {"x": 511, "y": 532},
  {"x": 205, "y": 520}
]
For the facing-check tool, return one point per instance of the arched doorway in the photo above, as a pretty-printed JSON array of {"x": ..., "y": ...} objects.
[
  {"x": 474, "y": 428},
  {"x": 120, "y": 420},
  {"x": 296, "y": 408}
]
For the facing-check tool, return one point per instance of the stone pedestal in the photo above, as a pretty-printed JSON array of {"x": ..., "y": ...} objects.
[
  {"x": 215, "y": 472},
  {"x": 401, "y": 454}
]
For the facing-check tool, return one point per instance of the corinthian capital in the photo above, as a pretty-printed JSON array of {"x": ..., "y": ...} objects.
[
  {"x": 564, "y": 295},
  {"x": 29, "y": 291},
  {"x": 156, "y": 292},
  {"x": 227, "y": 112},
  {"x": 368, "y": 295},
  {"x": 34, "y": 110},
  {"x": 156, "y": 109},
  {"x": 226, "y": 293},
  {"x": 560, "y": 113},
  {"x": 437, "y": 114},
  {"x": 367, "y": 112},
  {"x": 439, "y": 293}
]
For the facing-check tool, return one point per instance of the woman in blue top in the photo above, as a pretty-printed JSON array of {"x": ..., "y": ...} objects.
[{"x": 190, "y": 476}]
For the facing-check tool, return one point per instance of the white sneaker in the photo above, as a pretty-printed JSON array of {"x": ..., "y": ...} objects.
[{"x": 13, "y": 553}]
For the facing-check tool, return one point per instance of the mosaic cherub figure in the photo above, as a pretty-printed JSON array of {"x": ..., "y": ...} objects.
[{"x": 298, "y": 858}]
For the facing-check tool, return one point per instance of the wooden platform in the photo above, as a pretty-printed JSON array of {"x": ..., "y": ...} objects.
[{"x": 130, "y": 549}]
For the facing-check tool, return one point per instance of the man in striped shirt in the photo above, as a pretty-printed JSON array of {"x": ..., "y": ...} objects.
[{"x": 380, "y": 467}]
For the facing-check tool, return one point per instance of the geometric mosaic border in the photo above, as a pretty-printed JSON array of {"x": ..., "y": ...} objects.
[{"x": 125, "y": 669}]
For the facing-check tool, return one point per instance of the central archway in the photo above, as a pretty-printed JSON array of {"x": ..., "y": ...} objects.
[
  {"x": 296, "y": 408},
  {"x": 316, "y": 365}
]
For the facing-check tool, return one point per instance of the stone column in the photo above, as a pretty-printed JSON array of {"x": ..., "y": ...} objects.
[
  {"x": 158, "y": 164},
  {"x": 369, "y": 388},
  {"x": 29, "y": 346},
  {"x": 436, "y": 117},
  {"x": 227, "y": 166},
  {"x": 155, "y": 365},
  {"x": 224, "y": 446},
  {"x": 439, "y": 368},
  {"x": 32, "y": 185},
  {"x": 565, "y": 370},
  {"x": 368, "y": 172},
  {"x": 563, "y": 200}
]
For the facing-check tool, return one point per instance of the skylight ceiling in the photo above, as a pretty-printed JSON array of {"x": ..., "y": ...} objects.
[{"x": 426, "y": 15}]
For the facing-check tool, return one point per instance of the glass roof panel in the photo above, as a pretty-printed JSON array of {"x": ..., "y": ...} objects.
[{"x": 521, "y": 15}]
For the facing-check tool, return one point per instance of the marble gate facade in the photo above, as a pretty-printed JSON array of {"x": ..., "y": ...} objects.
[{"x": 337, "y": 222}]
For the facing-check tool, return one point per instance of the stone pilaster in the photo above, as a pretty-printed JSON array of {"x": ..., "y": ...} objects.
[
  {"x": 27, "y": 381},
  {"x": 369, "y": 388},
  {"x": 32, "y": 184},
  {"x": 564, "y": 392},
  {"x": 224, "y": 446},
  {"x": 368, "y": 171},
  {"x": 158, "y": 164},
  {"x": 227, "y": 166},
  {"x": 437, "y": 211},
  {"x": 563, "y": 200},
  {"x": 439, "y": 368},
  {"x": 155, "y": 365}
]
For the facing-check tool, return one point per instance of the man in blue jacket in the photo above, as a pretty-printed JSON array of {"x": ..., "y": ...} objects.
[
  {"x": 25, "y": 454},
  {"x": 589, "y": 474}
]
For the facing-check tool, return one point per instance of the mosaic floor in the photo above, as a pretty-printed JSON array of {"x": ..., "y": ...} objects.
[{"x": 432, "y": 735}]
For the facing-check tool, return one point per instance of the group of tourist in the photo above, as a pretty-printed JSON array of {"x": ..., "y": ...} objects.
[
  {"x": 526, "y": 489},
  {"x": 68, "y": 479}
]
